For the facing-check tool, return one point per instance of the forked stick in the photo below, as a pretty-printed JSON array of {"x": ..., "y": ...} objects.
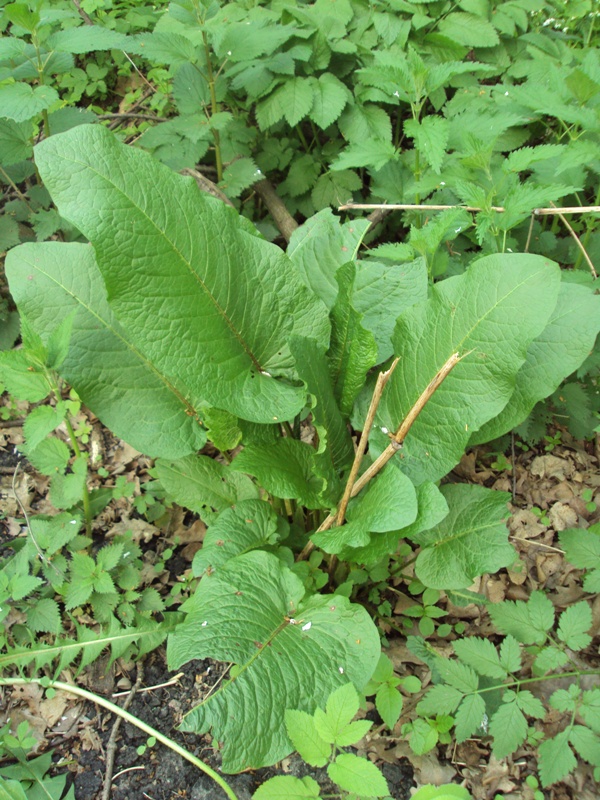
[{"x": 396, "y": 443}]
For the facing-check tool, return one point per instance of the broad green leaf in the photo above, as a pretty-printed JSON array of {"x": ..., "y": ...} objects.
[
  {"x": 240, "y": 174},
  {"x": 243, "y": 613},
  {"x": 288, "y": 787},
  {"x": 469, "y": 717},
  {"x": 561, "y": 348},
  {"x": 541, "y": 611},
  {"x": 388, "y": 503},
  {"x": 480, "y": 654},
  {"x": 335, "y": 188},
  {"x": 52, "y": 533},
  {"x": 467, "y": 315},
  {"x": 440, "y": 699},
  {"x": 148, "y": 408},
  {"x": 296, "y": 97},
  {"x": 199, "y": 481},
  {"x": 21, "y": 102},
  {"x": 67, "y": 490},
  {"x": 388, "y": 702},
  {"x": 88, "y": 38},
  {"x": 163, "y": 47},
  {"x": 353, "y": 350},
  {"x": 304, "y": 736},
  {"x": 471, "y": 540},
  {"x": 354, "y": 774},
  {"x": 15, "y": 142},
  {"x": 329, "y": 98},
  {"x": 319, "y": 247},
  {"x": 248, "y": 525},
  {"x": 314, "y": 369},
  {"x": 226, "y": 346},
  {"x": 382, "y": 292},
  {"x": 361, "y": 122},
  {"x": 42, "y": 421},
  {"x": 374, "y": 153},
  {"x": 431, "y": 137},
  {"x": 508, "y": 726},
  {"x": 9, "y": 233},
  {"x": 13, "y": 790},
  {"x": 574, "y": 624},
  {"x": 469, "y": 30},
  {"x": 285, "y": 469},
  {"x": 555, "y": 758},
  {"x": 450, "y": 791},
  {"x": 423, "y": 737}
]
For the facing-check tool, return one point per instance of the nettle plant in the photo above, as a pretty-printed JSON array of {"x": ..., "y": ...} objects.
[{"x": 188, "y": 327}]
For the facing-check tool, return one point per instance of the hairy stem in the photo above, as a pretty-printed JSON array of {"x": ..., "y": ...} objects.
[{"x": 214, "y": 106}]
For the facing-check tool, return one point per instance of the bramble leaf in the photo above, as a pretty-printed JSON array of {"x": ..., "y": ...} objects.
[
  {"x": 354, "y": 774},
  {"x": 574, "y": 624},
  {"x": 304, "y": 736},
  {"x": 469, "y": 716},
  {"x": 508, "y": 726},
  {"x": 555, "y": 758}
]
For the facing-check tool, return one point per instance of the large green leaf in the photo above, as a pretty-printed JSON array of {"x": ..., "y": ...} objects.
[
  {"x": 201, "y": 296},
  {"x": 320, "y": 246},
  {"x": 147, "y": 408},
  {"x": 196, "y": 482},
  {"x": 333, "y": 432},
  {"x": 490, "y": 315},
  {"x": 382, "y": 292},
  {"x": 562, "y": 347},
  {"x": 353, "y": 349},
  {"x": 291, "y": 654},
  {"x": 471, "y": 540}
]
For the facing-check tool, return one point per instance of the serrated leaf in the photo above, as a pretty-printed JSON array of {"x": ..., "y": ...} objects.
[
  {"x": 248, "y": 525},
  {"x": 44, "y": 616},
  {"x": 285, "y": 469},
  {"x": 329, "y": 98},
  {"x": 146, "y": 407},
  {"x": 548, "y": 660},
  {"x": 335, "y": 188},
  {"x": 574, "y": 624},
  {"x": 296, "y": 97},
  {"x": 22, "y": 585},
  {"x": 458, "y": 675},
  {"x": 480, "y": 654},
  {"x": 240, "y": 174},
  {"x": 586, "y": 743},
  {"x": 510, "y": 654},
  {"x": 527, "y": 622},
  {"x": 440, "y": 699},
  {"x": 431, "y": 137},
  {"x": 88, "y": 38},
  {"x": 42, "y": 421},
  {"x": 360, "y": 122},
  {"x": 49, "y": 456},
  {"x": 353, "y": 732},
  {"x": 388, "y": 702},
  {"x": 555, "y": 758},
  {"x": 218, "y": 341},
  {"x": 353, "y": 350},
  {"x": 15, "y": 142},
  {"x": 354, "y": 774},
  {"x": 373, "y": 153},
  {"x": 288, "y": 787},
  {"x": 530, "y": 705},
  {"x": 469, "y": 717},
  {"x": 341, "y": 707},
  {"x": 469, "y": 30},
  {"x": 590, "y": 708},
  {"x": 582, "y": 547},
  {"x": 304, "y": 736},
  {"x": 423, "y": 737},
  {"x": 466, "y": 314},
  {"x": 163, "y": 47},
  {"x": 53, "y": 533},
  {"x": 199, "y": 481},
  {"x": 508, "y": 726},
  {"x": 471, "y": 540},
  {"x": 66, "y": 490},
  {"x": 246, "y": 607},
  {"x": 21, "y": 102}
]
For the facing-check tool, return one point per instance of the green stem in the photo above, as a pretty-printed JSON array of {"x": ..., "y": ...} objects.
[
  {"x": 101, "y": 701},
  {"x": 214, "y": 106},
  {"x": 572, "y": 674},
  {"x": 302, "y": 138},
  {"x": 87, "y": 509}
]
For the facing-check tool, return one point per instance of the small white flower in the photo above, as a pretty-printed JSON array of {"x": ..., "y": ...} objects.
[
  {"x": 505, "y": 94},
  {"x": 341, "y": 670},
  {"x": 442, "y": 183},
  {"x": 307, "y": 627},
  {"x": 396, "y": 94}
]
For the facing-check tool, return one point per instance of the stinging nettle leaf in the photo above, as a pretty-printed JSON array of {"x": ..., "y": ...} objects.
[
  {"x": 229, "y": 347},
  {"x": 249, "y": 612}
]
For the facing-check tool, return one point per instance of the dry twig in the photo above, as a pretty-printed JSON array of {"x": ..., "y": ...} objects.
[
  {"x": 567, "y": 225},
  {"x": 284, "y": 221}
]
